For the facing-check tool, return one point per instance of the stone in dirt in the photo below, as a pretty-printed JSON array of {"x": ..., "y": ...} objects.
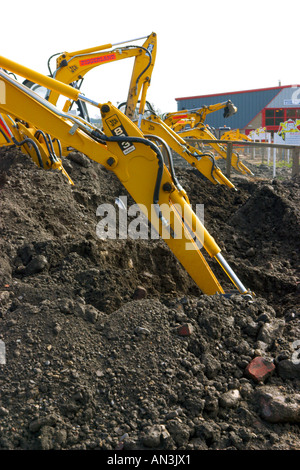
[
  {"x": 276, "y": 407},
  {"x": 185, "y": 330},
  {"x": 230, "y": 399},
  {"x": 260, "y": 369},
  {"x": 139, "y": 293}
]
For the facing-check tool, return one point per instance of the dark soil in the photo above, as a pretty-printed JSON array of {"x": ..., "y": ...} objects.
[{"x": 109, "y": 343}]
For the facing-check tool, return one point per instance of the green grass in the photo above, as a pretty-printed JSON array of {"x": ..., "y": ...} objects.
[{"x": 281, "y": 164}]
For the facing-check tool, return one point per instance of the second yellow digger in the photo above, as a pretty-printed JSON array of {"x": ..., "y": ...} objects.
[
  {"x": 190, "y": 124},
  {"x": 71, "y": 67}
]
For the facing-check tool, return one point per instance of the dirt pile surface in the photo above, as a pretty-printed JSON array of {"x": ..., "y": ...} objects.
[{"x": 110, "y": 345}]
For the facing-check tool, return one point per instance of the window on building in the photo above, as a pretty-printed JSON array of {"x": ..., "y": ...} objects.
[
  {"x": 293, "y": 113},
  {"x": 274, "y": 116}
]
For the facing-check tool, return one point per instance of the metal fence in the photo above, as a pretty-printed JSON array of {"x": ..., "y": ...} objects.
[{"x": 257, "y": 152}]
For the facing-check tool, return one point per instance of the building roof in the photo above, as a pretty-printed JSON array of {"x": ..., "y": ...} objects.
[
  {"x": 249, "y": 103},
  {"x": 278, "y": 88}
]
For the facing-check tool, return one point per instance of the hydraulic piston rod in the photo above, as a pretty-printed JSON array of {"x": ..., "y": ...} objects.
[
  {"x": 103, "y": 47},
  {"x": 231, "y": 274}
]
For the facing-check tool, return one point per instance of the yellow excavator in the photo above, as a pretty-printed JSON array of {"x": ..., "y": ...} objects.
[
  {"x": 190, "y": 124},
  {"x": 71, "y": 67},
  {"x": 122, "y": 148},
  {"x": 153, "y": 126},
  {"x": 235, "y": 134},
  {"x": 197, "y": 116}
]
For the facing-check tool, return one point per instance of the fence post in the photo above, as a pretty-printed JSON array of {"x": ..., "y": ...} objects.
[
  {"x": 295, "y": 166},
  {"x": 228, "y": 159},
  {"x": 274, "y": 162}
]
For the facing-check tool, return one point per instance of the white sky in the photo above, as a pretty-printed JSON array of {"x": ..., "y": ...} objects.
[{"x": 204, "y": 47}]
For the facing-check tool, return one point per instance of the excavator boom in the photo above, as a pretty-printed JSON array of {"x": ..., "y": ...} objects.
[
  {"x": 197, "y": 116},
  {"x": 204, "y": 133},
  {"x": 191, "y": 124},
  {"x": 204, "y": 163},
  {"x": 235, "y": 134},
  {"x": 73, "y": 66}
]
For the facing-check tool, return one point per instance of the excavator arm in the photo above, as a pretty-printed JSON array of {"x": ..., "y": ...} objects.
[
  {"x": 197, "y": 116},
  {"x": 204, "y": 133},
  {"x": 235, "y": 134},
  {"x": 204, "y": 163},
  {"x": 71, "y": 70},
  {"x": 40, "y": 146},
  {"x": 73, "y": 66},
  {"x": 135, "y": 160}
]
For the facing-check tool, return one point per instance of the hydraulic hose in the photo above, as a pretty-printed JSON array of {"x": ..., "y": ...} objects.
[
  {"x": 30, "y": 141},
  {"x": 49, "y": 146},
  {"x": 101, "y": 137},
  {"x": 5, "y": 136},
  {"x": 27, "y": 140},
  {"x": 149, "y": 63},
  {"x": 170, "y": 159},
  {"x": 58, "y": 144},
  {"x": 48, "y": 63}
]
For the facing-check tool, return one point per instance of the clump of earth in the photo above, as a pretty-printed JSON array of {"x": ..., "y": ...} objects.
[{"x": 110, "y": 345}]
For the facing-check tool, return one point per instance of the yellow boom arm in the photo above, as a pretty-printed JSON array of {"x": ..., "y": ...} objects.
[
  {"x": 194, "y": 117},
  {"x": 204, "y": 133},
  {"x": 204, "y": 163},
  {"x": 73, "y": 66},
  {"x": 136, "y": 161},
  {"x": 235, "y": 134},
  {"x": 197, "y": 130}
]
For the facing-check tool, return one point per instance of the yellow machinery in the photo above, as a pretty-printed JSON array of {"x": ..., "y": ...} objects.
[
  {"x": 235, "y": 134},
  {"x": 198, "y": 130},
  {"x": 195, "y": 117},
  {"x": 39, "y": 145},
  {"x": 73, "y": 66},
  {"x": 204, "y": 162},
  {"x": 71, "y": 69},
  {"x": 136, "y": 161}
]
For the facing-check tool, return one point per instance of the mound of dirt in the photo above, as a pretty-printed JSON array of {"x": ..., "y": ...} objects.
[{"x": 110, "y": 345}]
